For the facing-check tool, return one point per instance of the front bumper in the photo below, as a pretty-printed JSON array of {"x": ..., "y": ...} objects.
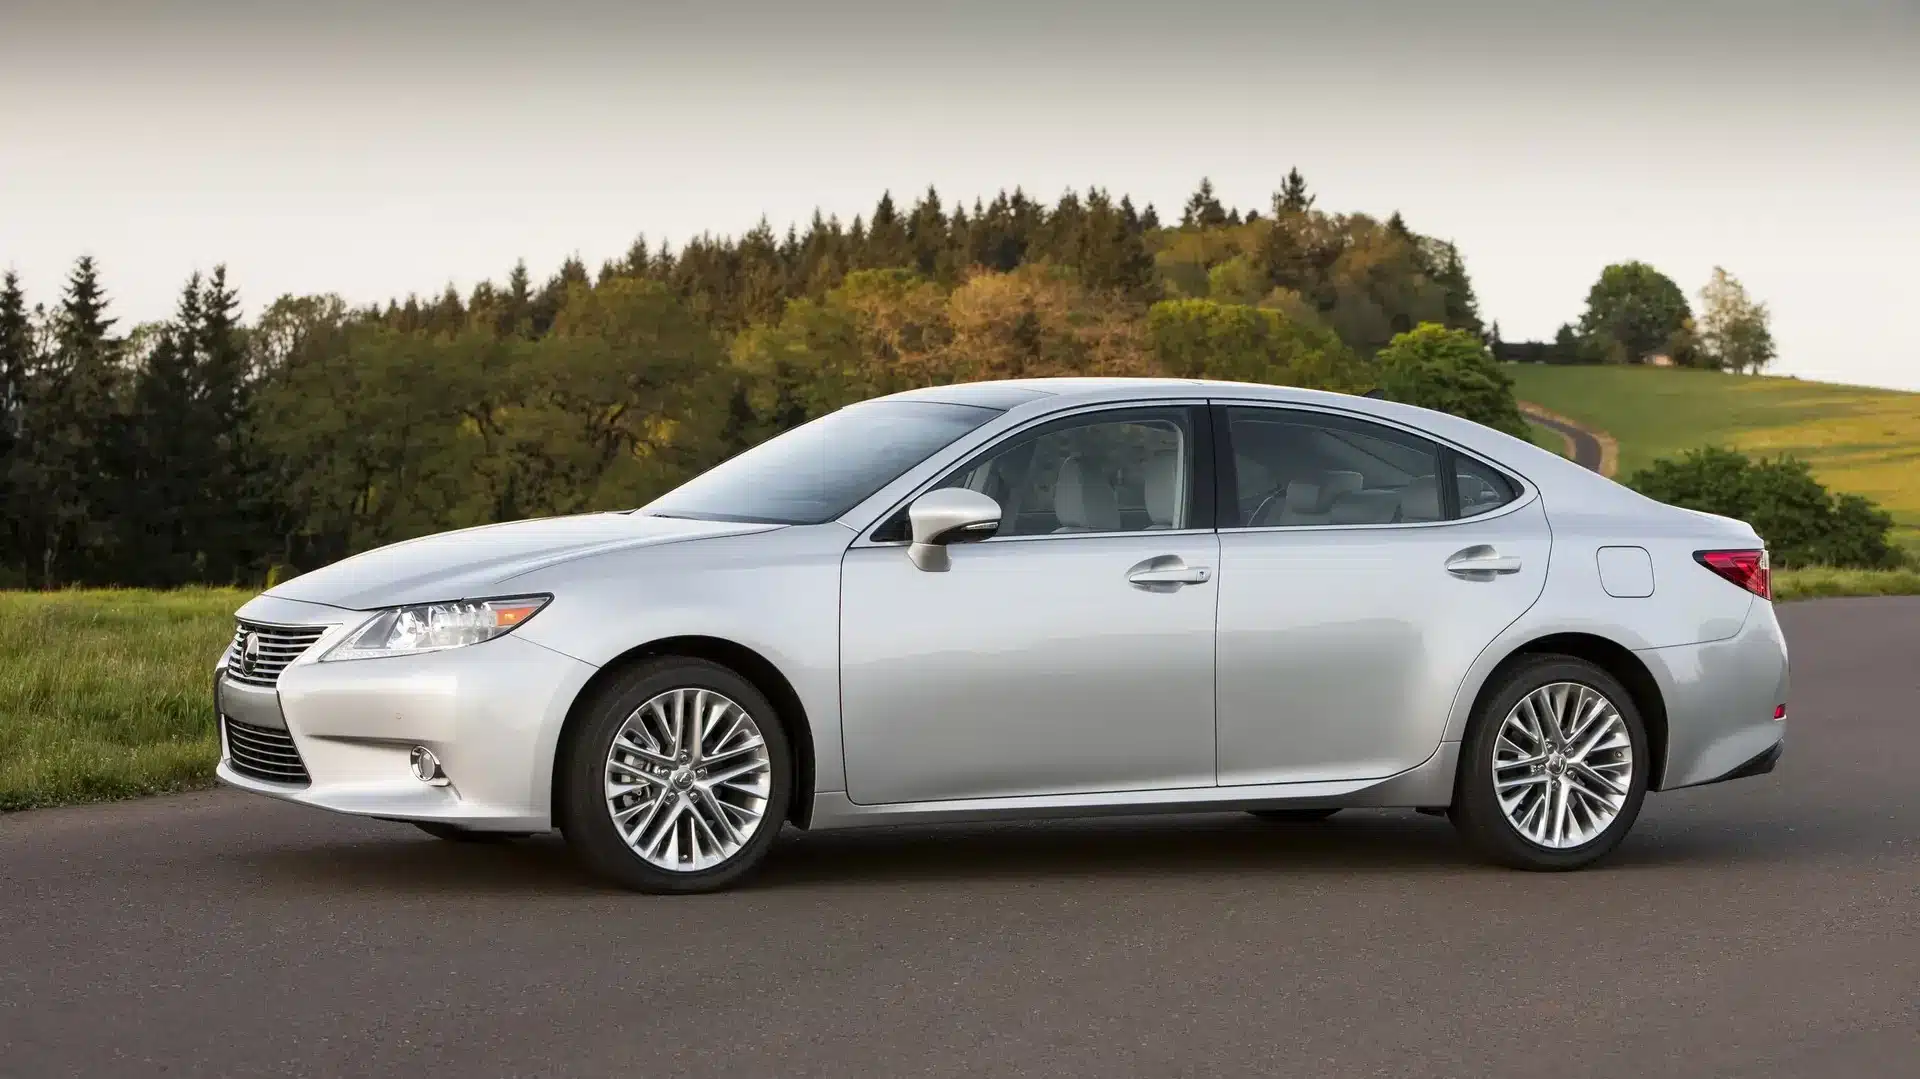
[{"x": 491, "y": 713}]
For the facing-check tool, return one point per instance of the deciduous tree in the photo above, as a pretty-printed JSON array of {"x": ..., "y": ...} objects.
[
  {"x": 1733, "y": 328},
  {"x": 1450, "y": 371},
  {"x": 1633, "y": 310}
]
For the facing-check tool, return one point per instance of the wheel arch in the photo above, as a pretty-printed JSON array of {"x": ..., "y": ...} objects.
[
  {"x": 791, "y": 714},
  {"x": 1614, "y": 658}
]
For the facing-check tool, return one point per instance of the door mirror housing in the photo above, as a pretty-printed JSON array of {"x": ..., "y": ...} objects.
[{"x": 949, "y": 515}]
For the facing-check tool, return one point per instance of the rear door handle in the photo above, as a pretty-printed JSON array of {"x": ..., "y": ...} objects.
[
  {"x": 1481, "y": 561},
  {"x": 1167, "y": 570},
  {"x": 1177, "y": 575}
]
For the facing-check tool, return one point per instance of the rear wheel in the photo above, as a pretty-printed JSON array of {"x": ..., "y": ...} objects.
[
  {"x": 1293, "y": 816},
  {"x": 678, "y": 780},
  {"x": 1554, "y": 768}
]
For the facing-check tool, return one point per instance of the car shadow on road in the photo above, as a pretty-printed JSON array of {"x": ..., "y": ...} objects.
[{"x": 1213, "y": 846}]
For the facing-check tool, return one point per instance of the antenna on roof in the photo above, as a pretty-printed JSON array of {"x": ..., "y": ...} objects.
[{"x": 1376, "y": 393}]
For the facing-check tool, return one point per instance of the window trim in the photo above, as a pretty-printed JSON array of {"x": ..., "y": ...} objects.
[
  {"x": 1226, "y": 491},
  {"x": 1201, "y": 498}
]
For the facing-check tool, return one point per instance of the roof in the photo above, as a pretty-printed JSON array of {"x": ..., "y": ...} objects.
[{"x": 1013, "y": 392}]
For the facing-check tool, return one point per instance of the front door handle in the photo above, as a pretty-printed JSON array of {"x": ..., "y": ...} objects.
[
  {"x": 1166, "y": 573},
  {"x": 1481, "y": 561}
]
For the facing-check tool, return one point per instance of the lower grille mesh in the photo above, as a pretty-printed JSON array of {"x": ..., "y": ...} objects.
[{"x": 264, "y": 753}]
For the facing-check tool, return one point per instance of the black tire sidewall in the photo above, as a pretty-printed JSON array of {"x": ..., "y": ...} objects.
[
  {"x": 589, "y": 828},
  {"x": 1477, "y": 809}
]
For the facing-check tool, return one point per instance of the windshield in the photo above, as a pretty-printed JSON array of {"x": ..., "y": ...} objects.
[{"x": 820, "y": 470}]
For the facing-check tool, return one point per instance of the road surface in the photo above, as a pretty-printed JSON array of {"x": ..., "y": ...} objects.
[{"x": 1768, "y": 927}]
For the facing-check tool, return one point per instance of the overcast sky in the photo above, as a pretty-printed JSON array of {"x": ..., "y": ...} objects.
[{"x": 379, "y": 148}]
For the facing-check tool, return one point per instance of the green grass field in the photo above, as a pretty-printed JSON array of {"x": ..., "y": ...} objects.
[
  {"x": 109, "y": 694},
  {"x": 1864, "y": 441}
]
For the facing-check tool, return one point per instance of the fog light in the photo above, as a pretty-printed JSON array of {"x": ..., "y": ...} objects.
[{"x": 426, "y": 767}]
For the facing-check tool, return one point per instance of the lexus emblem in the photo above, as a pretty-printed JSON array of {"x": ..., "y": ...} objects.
[{"x": 249, "y": 653}]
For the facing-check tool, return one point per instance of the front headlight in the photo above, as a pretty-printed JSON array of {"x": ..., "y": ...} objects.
[{"x": 434, "y": 627}]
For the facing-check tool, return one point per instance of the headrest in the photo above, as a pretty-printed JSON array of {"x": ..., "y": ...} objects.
[
  {"x": 1163, "y": 489},
  {"x": 1364, "y": 508},
  {"x": 1082, "y": 502},
  {"x": 1420, "y": 500},
  {"x": 1303, "y": 497}
]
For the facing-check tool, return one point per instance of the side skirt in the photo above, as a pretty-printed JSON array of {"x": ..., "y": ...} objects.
[{"x": 1426, "y": 785}]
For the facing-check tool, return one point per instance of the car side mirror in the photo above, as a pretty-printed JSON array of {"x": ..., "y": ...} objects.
[{"x": 949, "y": 515}]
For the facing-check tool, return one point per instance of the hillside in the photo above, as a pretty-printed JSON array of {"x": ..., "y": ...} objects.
[{"x": 1861, "y": 440}]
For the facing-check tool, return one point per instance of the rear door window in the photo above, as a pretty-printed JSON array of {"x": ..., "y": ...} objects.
[{"x": 1299, "y": 468}]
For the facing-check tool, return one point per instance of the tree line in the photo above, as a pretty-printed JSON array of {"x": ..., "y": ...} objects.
[
  {"x": 208, "y": 449},
  {"x": 1636, "y": 314}
]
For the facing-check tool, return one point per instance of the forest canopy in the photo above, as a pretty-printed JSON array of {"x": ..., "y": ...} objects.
[{"x": 209, "y": 449}]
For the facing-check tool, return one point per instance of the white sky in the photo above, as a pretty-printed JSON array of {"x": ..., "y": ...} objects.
[{"x": 379, "y": 149}]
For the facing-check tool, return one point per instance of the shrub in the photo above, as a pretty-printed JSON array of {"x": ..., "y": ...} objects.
[
  {"x": 1803, "y": 524},
  {"x": 1450, "y": 371}
]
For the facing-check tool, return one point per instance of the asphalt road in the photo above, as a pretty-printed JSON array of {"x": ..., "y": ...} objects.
[
  {"x": 1586, "y": 448},
  {"x": 1768, "y": 927}
]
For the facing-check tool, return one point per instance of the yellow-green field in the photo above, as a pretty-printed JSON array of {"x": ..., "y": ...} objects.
[{"x": 1860, "y": 440}]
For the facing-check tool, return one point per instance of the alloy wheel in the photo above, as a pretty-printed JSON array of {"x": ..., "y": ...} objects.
[
  {"x": 1563, "y": 765},
  {"x": 688, "y": 776}
]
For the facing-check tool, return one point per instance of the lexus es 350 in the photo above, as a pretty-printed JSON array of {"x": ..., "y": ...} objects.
[{"x": 1032, "y": 599}]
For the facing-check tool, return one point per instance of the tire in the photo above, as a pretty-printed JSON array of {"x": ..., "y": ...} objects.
[
  {"x": 690, "y": 797},
  {"x": 453, "y": 833},
  {"x": 1292, "y": 816},
  {"x": 1543, "y": 838}
]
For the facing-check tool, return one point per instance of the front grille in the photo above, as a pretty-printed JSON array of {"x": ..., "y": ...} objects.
[
  {"x": 265, "y": 753},
  {"x": 272, "y": 648}
]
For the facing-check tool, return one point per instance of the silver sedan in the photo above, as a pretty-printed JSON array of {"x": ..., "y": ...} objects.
[{"x": 1032, "y": 599}]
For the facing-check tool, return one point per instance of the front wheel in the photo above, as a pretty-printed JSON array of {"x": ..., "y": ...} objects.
[
  {"x": 678, "y": 780},
  {"x": 1554, "y": 768}
]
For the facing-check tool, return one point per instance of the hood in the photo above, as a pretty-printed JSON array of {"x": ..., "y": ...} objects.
[{"x": 477, "y": 562}]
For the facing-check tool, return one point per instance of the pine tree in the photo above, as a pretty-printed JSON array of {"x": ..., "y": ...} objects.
[
  {"x": 956, "y": 257},
  {"x": 1112, "y": 253},
  {"x": 927, "y": 233},
  {"x": 76, "y": 437},
  {"x": 516, "y": 303},
  {"x": 887, "y": 246},
  {"x": 16, "y": 365},
  {"x": 639, "y": 259},
  {"x": 1062, "y": 236},
  {"x": 1450, "y": 273},
  {"x": 1284, "y": 256},
  {"x": 1203, "y": 210},
  {"x": 1292, "y": 198},
  {"x": 166, "y": 479},
  {"x": 229, "y": 534},
  {"x": 546, "y": 305}
]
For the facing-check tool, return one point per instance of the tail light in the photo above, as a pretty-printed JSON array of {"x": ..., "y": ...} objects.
[{"x": 1748, "y": 569}]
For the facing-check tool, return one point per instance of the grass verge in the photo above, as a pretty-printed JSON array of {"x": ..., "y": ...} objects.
[
  {"x": 108, "y": 694},
  {"x": 1817, "y": 582}
]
